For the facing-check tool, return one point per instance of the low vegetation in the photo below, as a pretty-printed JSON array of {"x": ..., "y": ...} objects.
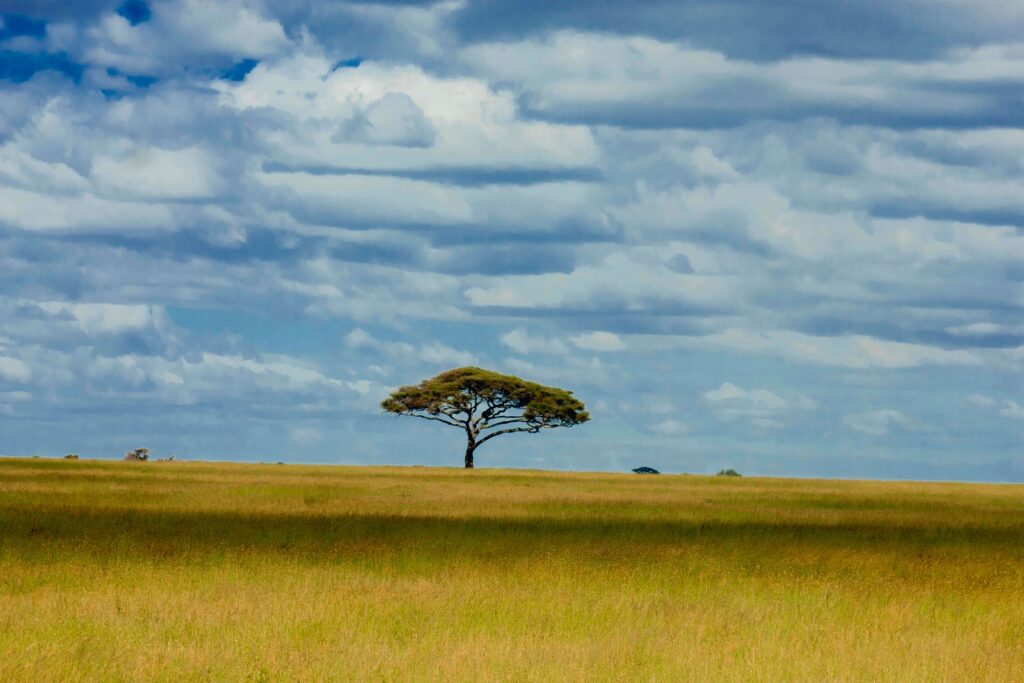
[
  {"x": 183, "y": 571},
  {"x": 137, "y": 454}
]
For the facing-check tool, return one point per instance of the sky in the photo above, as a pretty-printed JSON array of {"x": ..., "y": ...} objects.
[{"x": 785, "y": 238}]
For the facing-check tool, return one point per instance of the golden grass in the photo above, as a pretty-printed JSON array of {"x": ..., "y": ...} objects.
[{"x": 199, "y": 571}]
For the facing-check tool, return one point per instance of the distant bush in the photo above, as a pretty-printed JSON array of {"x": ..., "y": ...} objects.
[
  {"x": 139, "y": 454},
  {"x": 646, "y": 470},
  {"x": 71, "y": 456},
  {"x": 728, "y": 473}
]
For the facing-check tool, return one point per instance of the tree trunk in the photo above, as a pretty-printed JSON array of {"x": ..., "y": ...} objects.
[{"x": 470, "y": 447}]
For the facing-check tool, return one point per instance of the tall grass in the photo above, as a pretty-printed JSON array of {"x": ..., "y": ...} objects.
[{"x": 198, "y": 571}]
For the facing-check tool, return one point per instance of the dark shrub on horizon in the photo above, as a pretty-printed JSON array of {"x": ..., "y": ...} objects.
[{"x": 139, "y": 454}]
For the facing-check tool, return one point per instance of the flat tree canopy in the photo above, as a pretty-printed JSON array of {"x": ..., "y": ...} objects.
[{"x": 487, "y": 404}]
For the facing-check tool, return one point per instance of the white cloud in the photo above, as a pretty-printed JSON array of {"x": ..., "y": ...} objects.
[
  {"x": 708, "y": 165},
  {"x": 568, "y": 371},
  {"x": 852, "y": 351},
  {"x": 726, "y": 392},
  {"x": 760, "y": 407},
  {"x": 204, "y": 22},
  {"x": 521, "y": 341},
  {"x": 277, "y": 370},
  {"x": 394, "y": 119},
  {"x": 1012, "y": 409},
  {"x": 985, "y": 329},
  {"x": 83, "y": 213},
  {"x": 621, "y": 279},
  {"x": 469, "y": 123},
  {"x": 179, "y": 34},
  {"x": 433, "y": 353},
  {"x": 153, "y": 173},
  {"x": 877, "y": 422},
  {"x": 423, "y": 29},
  {"x": 615, "y": 78},
  {"x": 14, "y": 370},
  {"x": 68, "y": 370},
  {"x": 101, "y": 318},
  {"x": 345, "y": 200},
  {"x": 670, "y": 428},
  {"x": 598, "y": 341},
  {"x": 441, "y": 354},
  {"x": 1006, "y": 408},
  {"x": 360, "y": 339},
  {"x": 21, "y": 169}
]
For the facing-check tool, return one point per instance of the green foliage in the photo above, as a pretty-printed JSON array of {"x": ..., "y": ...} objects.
[
  {"x": 463, "y": 390},
  {"x": 728, "y": 473},
  {"x": 487, "y": 404}
]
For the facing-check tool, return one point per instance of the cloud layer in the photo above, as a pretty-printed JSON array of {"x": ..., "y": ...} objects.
[{"x": 793, "y": 247}]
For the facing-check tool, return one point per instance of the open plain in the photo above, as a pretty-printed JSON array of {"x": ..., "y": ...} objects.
[{"x": 179, "y": 571}]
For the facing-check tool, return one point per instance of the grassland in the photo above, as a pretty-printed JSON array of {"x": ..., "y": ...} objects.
[{"x": 197, "y": 571}]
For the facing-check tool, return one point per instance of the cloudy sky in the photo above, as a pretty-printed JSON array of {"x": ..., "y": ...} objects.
[{"x": 783, "y": 237}]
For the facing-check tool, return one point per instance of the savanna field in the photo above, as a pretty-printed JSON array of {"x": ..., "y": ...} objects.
[{"x": 182, "y": 571}]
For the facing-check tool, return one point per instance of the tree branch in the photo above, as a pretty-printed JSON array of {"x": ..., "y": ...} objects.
[
  {"x": 502, "y": 409},
  {"x": 493, "y": 409},
  {"x": 507, "y": 431},
  {"x": 507, "y": 421},
  {"x": 435, "y": 419}
]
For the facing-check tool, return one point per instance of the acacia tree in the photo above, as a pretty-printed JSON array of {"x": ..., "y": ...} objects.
[{"x": 487, "y": 404}]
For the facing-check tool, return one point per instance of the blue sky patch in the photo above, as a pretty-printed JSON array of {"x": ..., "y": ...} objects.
[
  {"x": 139, "y": 81},
  {"x": 135, "y": 11},
  {"x": 351, "y": 63},
  {"x": 21, "y": 66},
  {"x": 13, "y": 25},
  {"x": 239, "y": 70}
]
